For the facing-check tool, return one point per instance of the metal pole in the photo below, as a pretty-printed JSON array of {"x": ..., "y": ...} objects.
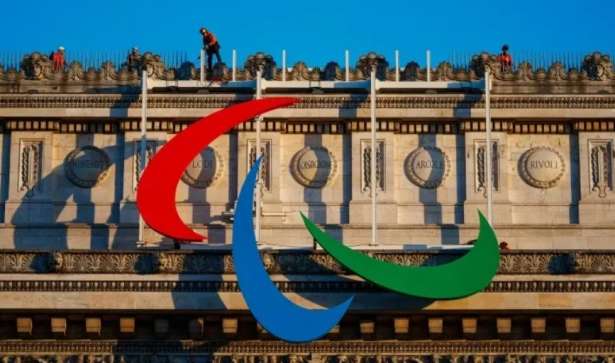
[
  {"x": 142, "y": 145},
  {"x": 396, "y": 65},
  {"x": 202, "y": 65},
  {"x": 488, "y": 147},
  {"x": 428, "y": 65},
  {"x": 234, "y": 65},
  {"x": 373, "y": 153},
  {"x": 259, "y": 183},
  {"x": 284, "y": 65},
  {"x": 347, "y": 64}
]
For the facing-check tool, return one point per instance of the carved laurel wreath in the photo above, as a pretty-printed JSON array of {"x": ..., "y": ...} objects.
[
  {"x": 529, "y": 179},
  {"x": 415, "y": 178},
  {"x": 204, "y": 183},
  {"x": 71, "y": 173},
  {"x": 312, "y": 183}
]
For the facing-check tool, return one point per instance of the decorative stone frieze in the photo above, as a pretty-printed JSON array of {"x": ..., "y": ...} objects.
[
  {"x": 87, "y": 166},
  {"x": 265, "y": 168},
  {"x": 542, "y": 167},
  {"x": 282, "y": 262},
  {"x": 169, "y": 101},
  {"x": 313, "y": 167},
  {"x": 205, "y": 169},
  {"x": 366, "y": 165},
  {"x": 480, "y": 167},
  {"x": 427, "y": 167},
  {"x": 327, "y": 351},
  {"x": 601, "y": 166},
  {"x": 150, "y": 150},
  {"x": 30, "y": 165}
]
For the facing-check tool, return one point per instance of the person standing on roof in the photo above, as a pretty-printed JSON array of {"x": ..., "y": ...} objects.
[
  {"x": 58, "y": 60},
  {"x": 211, "y": 46},
  {"x": 505, "y": 59}
]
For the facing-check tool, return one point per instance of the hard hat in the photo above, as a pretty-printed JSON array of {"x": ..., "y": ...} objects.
[{"x": 60, "y": 48}]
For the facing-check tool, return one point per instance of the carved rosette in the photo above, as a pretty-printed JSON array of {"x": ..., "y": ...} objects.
[
  {"x": 366, "y": 165},
  {"x": 154, "y": 65},
  {"x": 541, "y": 167},
  {"x": 204, "y": 170},
  {"x": 601, "y": 166},
  {"x": 598, "y": 67},
  {"x": 313, "y": 167},
  {"x": 299, "y": 72},
  {"x": 332, "y": 72},
  {"x": 412, "y": 72},
  {"x": 265, "y": 169},
  {"x": 75, "y": 72},
  {"x": 427, "y": 167},
  {"x": 260, "y": 61},
  {"x": 87, "y": 166},
  {"x": 483, "y": 61},
  {"x": 371, "y": 59},
  {"x": 480, "y": 167},
  {"x": 37, "y": 66}
]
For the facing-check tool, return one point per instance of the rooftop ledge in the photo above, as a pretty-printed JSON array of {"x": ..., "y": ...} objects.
[{"x": 36, "y": 66}]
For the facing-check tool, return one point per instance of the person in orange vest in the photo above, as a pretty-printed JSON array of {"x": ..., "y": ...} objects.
[
  {"x": 211, "y": 46},
  {"x": 505, "y": 59},
  {"x": 58, "y": 60}
]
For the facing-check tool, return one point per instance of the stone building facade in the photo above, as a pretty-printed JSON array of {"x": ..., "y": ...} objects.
[{"x": 76, "y": 287}]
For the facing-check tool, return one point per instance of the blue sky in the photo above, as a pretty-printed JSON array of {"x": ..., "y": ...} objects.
[{"x": 315, "y": 31}]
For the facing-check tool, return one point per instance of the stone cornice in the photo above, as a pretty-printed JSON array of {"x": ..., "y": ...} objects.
[
  {"x": 449, "y": 350},
  {"x": 311, "y": 286},
  {"x": 171, "y": 101},
  {"x": 285, "y": 262}
]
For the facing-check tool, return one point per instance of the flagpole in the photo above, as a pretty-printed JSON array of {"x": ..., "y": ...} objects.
[
  {"x": 373, "y": 151},
  {"x": 142, "y": 145},
  {"x": 259, "y": 183},
  {"x": 488, "y": 147}
]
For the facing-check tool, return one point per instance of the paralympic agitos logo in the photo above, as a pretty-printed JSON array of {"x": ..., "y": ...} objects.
[{"x": 156, "y": 201}]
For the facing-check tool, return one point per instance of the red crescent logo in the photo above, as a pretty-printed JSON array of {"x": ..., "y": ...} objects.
[{"x": 156, "y": 189}]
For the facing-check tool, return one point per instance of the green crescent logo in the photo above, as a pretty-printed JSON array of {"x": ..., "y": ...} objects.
[{"x": 465, "y": 276}]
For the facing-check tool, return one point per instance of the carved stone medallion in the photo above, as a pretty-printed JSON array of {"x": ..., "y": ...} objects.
[
  {"x": 427, "y": 167},
  {"x": 87, "y": 166},
  {"x": 313, "y": 167},
  {"x": 541, "y": 167},
  {"x": 204, "y": 169}
]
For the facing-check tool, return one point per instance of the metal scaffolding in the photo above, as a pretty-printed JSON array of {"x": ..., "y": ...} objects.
[{"x": 373, "y": 85}]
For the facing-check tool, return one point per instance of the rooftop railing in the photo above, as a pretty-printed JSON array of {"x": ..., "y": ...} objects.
[{"x": 462, "y": 66}]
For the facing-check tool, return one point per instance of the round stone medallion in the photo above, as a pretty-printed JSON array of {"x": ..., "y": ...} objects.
[
  {"x": 313, "y": 167},
  {"x": 541, "y": 167},
  {"x": 427, "y": 167},
  {"x": 204, "y": 169},
  {"x": 87, "y": 166}
]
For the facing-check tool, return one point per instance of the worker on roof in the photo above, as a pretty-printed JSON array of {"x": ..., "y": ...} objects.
[
  {"x": 211, "y": 46},
  {"x": 505, "y": 59},
  {"x": 58, "y": 60}
]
